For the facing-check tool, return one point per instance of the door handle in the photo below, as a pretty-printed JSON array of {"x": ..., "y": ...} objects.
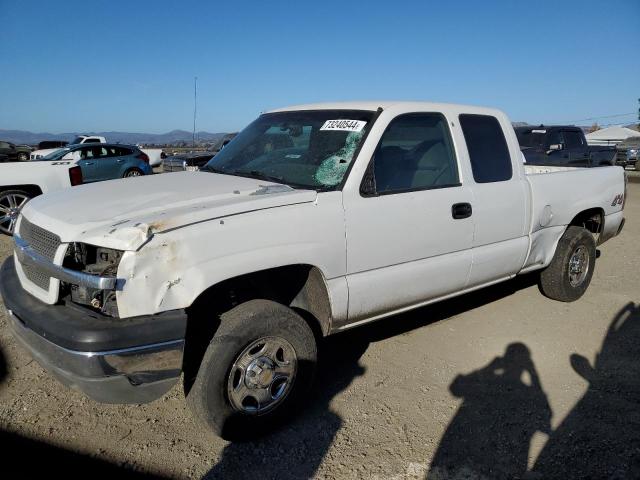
[
  {"x": 120, "y": 160},
  {"x": 87, "y": 163},
  {"x": 461, "y": 210}
]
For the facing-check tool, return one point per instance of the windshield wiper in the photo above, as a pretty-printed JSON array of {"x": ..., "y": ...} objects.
[
  {"x": 259, "y": 176},
  {"x": 211, "y": 169}
]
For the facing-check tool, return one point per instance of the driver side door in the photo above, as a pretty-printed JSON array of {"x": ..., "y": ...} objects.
[
  {"x": 409, "y": 240},
  {"x": 88, "y": 164}
]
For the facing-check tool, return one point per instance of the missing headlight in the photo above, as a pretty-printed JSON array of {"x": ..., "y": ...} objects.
[{"x": 95, "y": 261}]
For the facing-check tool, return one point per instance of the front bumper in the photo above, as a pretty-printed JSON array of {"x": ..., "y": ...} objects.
[{"x": 133, "y": 360}]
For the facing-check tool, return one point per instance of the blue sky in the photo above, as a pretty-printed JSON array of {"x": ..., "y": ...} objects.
[{"x": 129, "y": 65}]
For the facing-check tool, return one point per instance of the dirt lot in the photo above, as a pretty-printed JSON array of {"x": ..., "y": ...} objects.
[{"x": 482, "y": 382}]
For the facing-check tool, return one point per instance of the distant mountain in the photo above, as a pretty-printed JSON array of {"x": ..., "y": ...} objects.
[{"x": 174, "y": 136}]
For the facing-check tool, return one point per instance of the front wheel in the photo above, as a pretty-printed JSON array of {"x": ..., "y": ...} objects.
[
  {"x": 23, "y": 157},
  {"x": 11, "y": 202},
  {"x": 571, "y": 269},
  {"x": 259, "y": 364},
  {"x": 133, "y": 172}
]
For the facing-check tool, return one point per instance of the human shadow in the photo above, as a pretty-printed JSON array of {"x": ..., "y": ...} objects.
[
  {"x": 296, "y": 450},
  {"x": 503, "y": 406},
  {"x": 600, "y": 437}
]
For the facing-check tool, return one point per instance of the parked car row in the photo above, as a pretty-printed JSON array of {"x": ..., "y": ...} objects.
[
  {"x": 627, "y": 156},
  {"x": 562, "y": 145},
  {"x": 105, "y": 161},
  {"x": 186, "y": 161},
  {"x": 193, "y": 161},
  {"x": 66, "y": 167},
  {"x": 10, "y": 152}
]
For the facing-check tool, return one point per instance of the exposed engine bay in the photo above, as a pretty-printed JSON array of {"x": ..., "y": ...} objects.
[{"x": 95, "y": 261}]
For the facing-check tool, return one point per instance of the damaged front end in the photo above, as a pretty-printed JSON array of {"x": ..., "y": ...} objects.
[{"x": 98, "y": 262}]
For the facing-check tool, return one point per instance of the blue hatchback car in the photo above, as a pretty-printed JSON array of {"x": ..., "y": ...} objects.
[{"x": 105, "y": 161}]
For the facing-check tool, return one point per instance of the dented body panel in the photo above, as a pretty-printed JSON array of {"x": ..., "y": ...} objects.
[
  {"x": 175, "y": 267},
  {"x": 130, "y": 212}
]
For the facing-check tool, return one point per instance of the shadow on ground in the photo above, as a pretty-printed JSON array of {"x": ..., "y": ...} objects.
[
  {"x": 297, "y": 449},
  {"x": 600, "y": 438},
  {"x": 27, "y": 458},
  {"x": 504, "y": 405}
]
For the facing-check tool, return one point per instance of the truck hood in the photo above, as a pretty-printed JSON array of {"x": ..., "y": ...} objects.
[{"x": 124, "y": 214}]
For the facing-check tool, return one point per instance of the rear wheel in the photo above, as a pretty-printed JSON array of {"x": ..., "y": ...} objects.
[
  {"x": 259, "y": 364},
  {"x": 569, "y": 273},
  {"x": 11, "y": 202},
  {"x": 133, "y": 172},
  {"x": 23, "y": 156}
]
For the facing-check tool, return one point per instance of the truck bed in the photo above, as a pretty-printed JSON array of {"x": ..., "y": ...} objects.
[
  {"x": 541, "y": 169},
  {"x": 559, "y": 193}
]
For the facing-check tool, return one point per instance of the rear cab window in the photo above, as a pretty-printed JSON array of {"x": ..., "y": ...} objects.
[
  {"x": 572, "y": 139},
  {"x": 487, "y": 147}
]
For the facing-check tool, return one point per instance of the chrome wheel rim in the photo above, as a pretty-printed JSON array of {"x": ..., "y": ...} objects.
[
  {"x": 262, "y": 376},
  {"x": 578, "y": 266},
  {"x": 133, "y": 173},
  {"x": 10, "y": 206}
]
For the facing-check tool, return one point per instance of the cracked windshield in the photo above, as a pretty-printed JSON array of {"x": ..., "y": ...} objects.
[{"x": 301, "y": 149}]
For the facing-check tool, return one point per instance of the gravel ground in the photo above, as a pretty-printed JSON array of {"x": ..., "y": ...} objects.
[{"x": 471, "y": 388}]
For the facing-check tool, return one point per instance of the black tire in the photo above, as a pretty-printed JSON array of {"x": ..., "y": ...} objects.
[
  {"x": 23, "y": 156},
  {"x": 240, "y": 328},
  {"x": 9, "y": 198},
  {"x": 561, "y": 280},
  {"x": 133, "y": 172}
]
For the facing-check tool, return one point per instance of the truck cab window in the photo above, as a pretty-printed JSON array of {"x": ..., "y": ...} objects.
[
  {"x": 572, "y": 139},
  {"x": 553, "y": 138},
  {"x": 488, "y": 151},
  {"x": 415, "y": 153}
]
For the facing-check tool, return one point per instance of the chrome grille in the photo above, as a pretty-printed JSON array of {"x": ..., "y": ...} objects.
[
  {"x": 43, "y": 242},
  {"x": 37, "y": 277}
]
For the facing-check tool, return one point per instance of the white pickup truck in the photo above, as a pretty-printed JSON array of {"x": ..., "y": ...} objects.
[
  {"x": 313, "y": 220},
  {"x": 38, "y": 154},
  {"x": 20, "y": 182}
]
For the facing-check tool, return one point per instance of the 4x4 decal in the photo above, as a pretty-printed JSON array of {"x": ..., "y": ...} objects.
[{"x": 619, "y": 200}]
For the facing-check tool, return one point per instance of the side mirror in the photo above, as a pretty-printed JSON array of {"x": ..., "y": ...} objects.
[{"x": 555, "y": 147}]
